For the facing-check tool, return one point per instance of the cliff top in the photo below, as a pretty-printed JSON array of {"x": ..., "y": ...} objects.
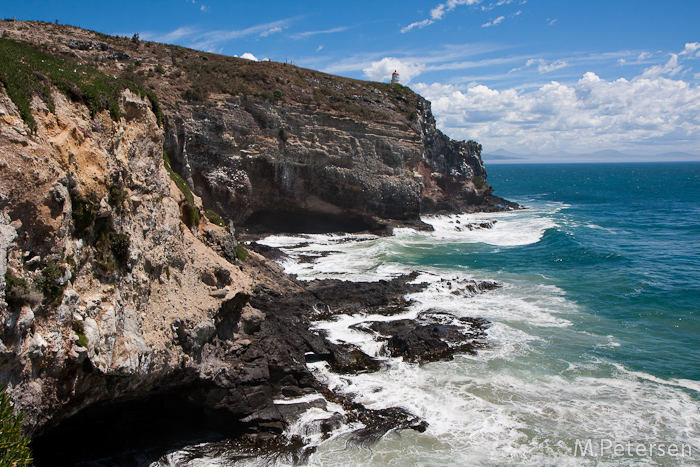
[{"x": 176, "y": 73}]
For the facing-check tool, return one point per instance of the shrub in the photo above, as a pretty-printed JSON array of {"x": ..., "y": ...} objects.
[
  {"x": 241, "y": 252},
  {"x": 16, "y": 289},
  {"x": 14, "y": 446},
  {"x": 117, "y": 196},
  {"x": 195, "y": 93},
  {"x": 479, "y": 182},
  {"x": 214, "y": 218},
  {"x": 190, "y": 214},
  {"x": 112, "y": 250},
  {"x": 84, "y": 214},
  {"x": 48, "y": 282},
  {"x": 79, "y": 329}
]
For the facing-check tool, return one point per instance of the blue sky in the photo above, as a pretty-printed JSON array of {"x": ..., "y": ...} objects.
[{"x": 524, "y": 76}]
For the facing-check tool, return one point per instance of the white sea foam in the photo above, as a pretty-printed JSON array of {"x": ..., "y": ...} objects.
[
  {"x": 523, "y": 401},
  {"x": 500, "y": 229}
]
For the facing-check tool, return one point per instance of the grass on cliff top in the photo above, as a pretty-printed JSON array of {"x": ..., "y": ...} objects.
[
  {"x": 179, "y": 73},
  {"x": 25, "y": 72}
]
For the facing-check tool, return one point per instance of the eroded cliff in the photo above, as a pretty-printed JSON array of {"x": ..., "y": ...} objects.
[
  {"x": 264, "y": 143},
  {"x": 119, "y": 295}
]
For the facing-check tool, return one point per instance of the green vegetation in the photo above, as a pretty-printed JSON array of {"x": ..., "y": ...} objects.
[
  {"x": 79, "y": 329},
  {"x": 214, "y": 218},
  {"x": 16, "y": 288},
  {"x": 195, "y": 93},
  {"x": 241, "y": 252},
  {"x": 474, "y": 146},
  {"x": 25, "y": 72},
  {"x": 14, "y": 446},
  {"x": 479, "y": 183},
  {"x": 48, "y": 282},
  {"x": 190, "y": 214},
  {"x": 84, "y": 214},
  {"x": 116, "y": 197},
  {"x": 111, "y": 248}
]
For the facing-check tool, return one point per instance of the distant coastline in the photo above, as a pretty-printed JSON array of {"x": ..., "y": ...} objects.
[{"x": 610, "y": 156}]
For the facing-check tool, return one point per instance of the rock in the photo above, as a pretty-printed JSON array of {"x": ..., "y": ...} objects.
[
  {"x": 35, "y": 346},
  {"x": 251, "y": 319},
  {"x": 59, "y": 193},
  {"x": 25, "y": 319}
]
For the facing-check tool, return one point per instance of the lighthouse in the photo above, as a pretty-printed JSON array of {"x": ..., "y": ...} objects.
[{"x": 395, "y": 77}]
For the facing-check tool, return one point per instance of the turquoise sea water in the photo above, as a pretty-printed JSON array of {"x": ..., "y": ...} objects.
[
  {"x": 626, "y": 250},
  {"x": 595, "y": 335}
]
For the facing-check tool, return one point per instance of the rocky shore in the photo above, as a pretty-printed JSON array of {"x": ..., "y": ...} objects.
[{"x": 132, "y": 321}]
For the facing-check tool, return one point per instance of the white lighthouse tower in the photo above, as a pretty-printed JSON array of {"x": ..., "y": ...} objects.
[{"x": 395, "y": 77}]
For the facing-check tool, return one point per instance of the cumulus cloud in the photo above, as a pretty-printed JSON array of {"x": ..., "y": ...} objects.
[
  {"x": 381, "y": 70},
  {"x": 588, "y": 115},
  {"x": 494, "y": 22},
  {"x": 205, "y": 9},
  {"x": 249, "y": 56}
]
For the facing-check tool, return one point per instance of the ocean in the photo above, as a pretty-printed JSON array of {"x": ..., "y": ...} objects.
[{"x": 595, "y": 334}]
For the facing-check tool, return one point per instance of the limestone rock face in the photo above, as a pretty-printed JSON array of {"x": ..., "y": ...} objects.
[{"x": 79, "y": 326}]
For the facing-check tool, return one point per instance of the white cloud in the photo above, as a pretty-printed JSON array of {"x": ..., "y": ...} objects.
[
  {"x": 491, "y": 6},
  {"x": 249, "y": 56},
  {"x": 441, "y": 10},
  {"x": 271, "y": 31},
  {"x": 211, "y": 39},
  {"x": 205, "y": 9},
  {"x": 692, "y": 49},
  {"x": 551, "y": 21},
  {"x": 586, "y": 116},
  {"x": 643, "y": 56},
  {"x": 325, "y": 31},
  {"x": 320, "y": 47},
  {"x": 417, "y": 24},
  {"x": 170, "y": 37},
  {"x": 381, "y": 70},
  {"x": 671, "y": 68},
  {"x": 494, "y": 22},
  {"x": 544, "y": 67}
]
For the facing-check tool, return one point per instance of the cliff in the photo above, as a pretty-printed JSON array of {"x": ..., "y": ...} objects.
[
  {"x": 265, "y": 142},
  {"x": 121, "y": 291}
]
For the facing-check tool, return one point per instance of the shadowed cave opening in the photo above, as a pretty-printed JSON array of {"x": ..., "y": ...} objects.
[
  {"x": 133, "y": 433},
  {"x": 301, "y": 221}
]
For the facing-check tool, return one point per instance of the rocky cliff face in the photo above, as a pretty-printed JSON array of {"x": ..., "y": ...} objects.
[
  {"x": 115, "y": 299},
  {"x": 266, "y": 143}
]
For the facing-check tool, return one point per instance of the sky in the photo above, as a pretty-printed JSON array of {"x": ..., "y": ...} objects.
[{"x": 522, "y": 76}]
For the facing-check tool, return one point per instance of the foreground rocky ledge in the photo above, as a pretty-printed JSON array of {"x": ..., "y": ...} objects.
[{"x": 263, "y": 380}]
